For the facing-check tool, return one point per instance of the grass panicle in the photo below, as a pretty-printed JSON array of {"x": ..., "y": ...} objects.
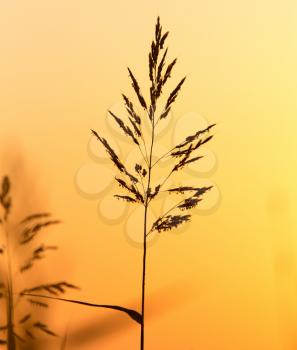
[{"x": 181, "y": 155}]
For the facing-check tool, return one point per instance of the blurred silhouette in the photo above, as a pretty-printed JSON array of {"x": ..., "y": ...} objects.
[{"x": 18, "y": 238}]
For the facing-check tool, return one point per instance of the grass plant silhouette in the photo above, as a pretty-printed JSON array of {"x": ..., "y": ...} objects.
[
  {"x": 137, "y": 184},
  {"x": 23, "y": 235}
]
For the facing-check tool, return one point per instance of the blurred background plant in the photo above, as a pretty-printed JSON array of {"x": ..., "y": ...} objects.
[{"x": 23, "y": 319}]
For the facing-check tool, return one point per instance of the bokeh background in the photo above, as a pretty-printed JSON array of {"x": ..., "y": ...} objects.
[{"x": 227, "y": 282}]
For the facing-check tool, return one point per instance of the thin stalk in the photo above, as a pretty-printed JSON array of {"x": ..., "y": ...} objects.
[
  {"x": 142, "y": 184},
  {"x": 143, "y": 281},
  {"x": 145, "y": 149},
  {"x": 166, "y": 178},
  {"x": 143, "y": 156},
  {"x": 11, "y": 344},
  {"x": 145, "y": 238},
  {"x": 164, "y": 155}
]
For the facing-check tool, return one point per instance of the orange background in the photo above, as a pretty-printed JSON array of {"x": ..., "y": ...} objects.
[{"x": 229, "y": 281}]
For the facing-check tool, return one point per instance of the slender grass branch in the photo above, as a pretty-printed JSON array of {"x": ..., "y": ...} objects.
[
  {"x": 142, "y": 185},
  {"x": 166, "y": 179},
  {"x": 143, "y": 156},
  {"x": 145, "y": 150},
  {"x": 162, "y": 157}
]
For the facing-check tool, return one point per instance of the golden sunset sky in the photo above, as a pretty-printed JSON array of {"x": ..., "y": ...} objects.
[{"x": 227, "y": 281}]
